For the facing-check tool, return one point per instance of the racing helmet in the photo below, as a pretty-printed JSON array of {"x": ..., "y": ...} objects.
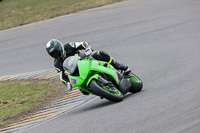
[{"x": 55, "y": 49}]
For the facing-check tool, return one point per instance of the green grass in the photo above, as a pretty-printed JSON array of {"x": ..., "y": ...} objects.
[
  {"x": 19, "y": 12},
  {"x": 22, "y": 96}
]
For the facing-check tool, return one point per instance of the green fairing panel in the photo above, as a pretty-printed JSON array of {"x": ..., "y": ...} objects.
[
  {"x": 84, "y": 67},
  {"x": 98, "y": 66},
  {"x": 92, "y": 77}
]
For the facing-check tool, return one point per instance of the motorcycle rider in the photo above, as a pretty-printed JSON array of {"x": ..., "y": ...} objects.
[{"x": 60, "y": 52}]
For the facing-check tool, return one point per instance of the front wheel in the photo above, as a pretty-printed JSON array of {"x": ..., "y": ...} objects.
[{"x": 110, "y": 93}]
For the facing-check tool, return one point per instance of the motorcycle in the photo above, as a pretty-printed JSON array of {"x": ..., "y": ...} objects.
[{"x": 100, "y": 78}]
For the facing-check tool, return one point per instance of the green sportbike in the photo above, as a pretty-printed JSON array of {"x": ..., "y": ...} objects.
[{"x": 100, "y": 78}]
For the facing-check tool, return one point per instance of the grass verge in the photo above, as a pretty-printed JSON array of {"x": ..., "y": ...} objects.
[
  {"x": 21, "y": 98},
  {"x": 19, "y": 12}
]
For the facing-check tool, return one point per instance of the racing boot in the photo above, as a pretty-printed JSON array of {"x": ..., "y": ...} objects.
[
  {"x": 127, "y": 72},
  {"x": 120, "y": 66}
]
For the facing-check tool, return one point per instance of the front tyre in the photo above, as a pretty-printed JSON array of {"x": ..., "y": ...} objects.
[{"x": 112, "y": 94}]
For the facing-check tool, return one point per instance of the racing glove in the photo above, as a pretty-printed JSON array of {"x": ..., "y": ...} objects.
[
  {"x": 69, "y": 86},
  {"x": 88, "y": 51}
]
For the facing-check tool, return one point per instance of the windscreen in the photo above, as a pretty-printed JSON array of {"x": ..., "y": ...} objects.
[{"x": 70, "y": 64}]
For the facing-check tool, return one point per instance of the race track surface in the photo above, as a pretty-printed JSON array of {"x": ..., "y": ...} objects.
[{"x": 158, "y": 39}]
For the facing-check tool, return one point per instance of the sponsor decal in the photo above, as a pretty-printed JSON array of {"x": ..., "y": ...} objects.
[{"x": 73, "y": 81}]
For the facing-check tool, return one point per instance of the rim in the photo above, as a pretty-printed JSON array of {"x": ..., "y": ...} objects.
[{"x": 112, "y": 90}]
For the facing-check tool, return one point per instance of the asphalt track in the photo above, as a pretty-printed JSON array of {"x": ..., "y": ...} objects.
[{"x": 158, "y": 39}]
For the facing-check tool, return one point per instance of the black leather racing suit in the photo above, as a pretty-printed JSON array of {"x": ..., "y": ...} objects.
[{"x": 73, "y": 48}]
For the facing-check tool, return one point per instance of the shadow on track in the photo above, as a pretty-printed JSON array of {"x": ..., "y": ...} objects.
[{"x": 101, "y": 103}]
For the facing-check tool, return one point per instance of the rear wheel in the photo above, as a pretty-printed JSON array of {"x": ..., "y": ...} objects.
[
  {"x": 109, "y": 92},
  {"x": 136, "y": 84}
]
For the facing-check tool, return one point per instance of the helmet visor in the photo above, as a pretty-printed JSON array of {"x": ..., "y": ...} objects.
[{"x": 55, "y": 54}]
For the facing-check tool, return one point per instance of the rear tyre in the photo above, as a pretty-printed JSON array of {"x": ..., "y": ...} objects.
[
  {"x": 112, "y": 94},
  {"x": 136, "y": 84}
]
